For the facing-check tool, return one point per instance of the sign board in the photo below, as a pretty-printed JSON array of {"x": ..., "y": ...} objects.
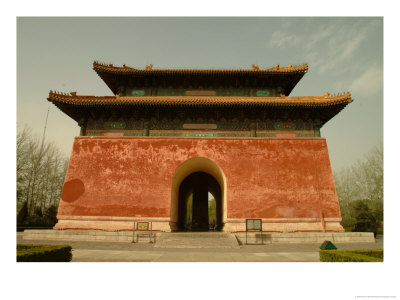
[
  {"x": 113, "y": 134},
  {"x": 141, "y": 226},
  {"x": 253, "y": 224}
]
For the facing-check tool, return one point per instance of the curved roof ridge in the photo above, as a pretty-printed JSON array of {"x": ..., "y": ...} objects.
[{"x": 255, "y": 68}]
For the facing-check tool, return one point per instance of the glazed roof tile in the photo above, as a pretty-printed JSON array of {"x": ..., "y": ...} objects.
[
  {"x": 75, "y": 100},
  {"x": 98, "y": 67}
]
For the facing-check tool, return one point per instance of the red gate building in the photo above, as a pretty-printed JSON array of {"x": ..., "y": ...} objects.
[{"x": 170, "y": 138}]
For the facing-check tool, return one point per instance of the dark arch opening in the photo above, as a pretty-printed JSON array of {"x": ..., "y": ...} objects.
[{"x": 194, "y": 205}]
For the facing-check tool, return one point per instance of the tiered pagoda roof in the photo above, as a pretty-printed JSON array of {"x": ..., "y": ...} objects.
[
  {"x": 78, "y": 106},
  {"x": 284, "y": 77}
]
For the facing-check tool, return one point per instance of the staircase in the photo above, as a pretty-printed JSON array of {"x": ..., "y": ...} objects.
[{"x": 196, "y": 240}]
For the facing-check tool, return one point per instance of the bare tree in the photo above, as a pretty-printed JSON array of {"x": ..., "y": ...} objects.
[{"x": 40, "y": 174}]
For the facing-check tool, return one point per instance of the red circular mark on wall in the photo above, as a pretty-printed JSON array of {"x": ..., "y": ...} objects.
[{"x": 72, "y": 190}]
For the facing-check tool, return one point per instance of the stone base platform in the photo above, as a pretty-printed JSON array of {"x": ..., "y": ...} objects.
[
  {"x": 79, "y": 235},
  {"x": 275, "y": 225},
  {"x": 307, "y": 237},
  {"x": 188, "y": 239},
  {"x": 101, "y": 223}
]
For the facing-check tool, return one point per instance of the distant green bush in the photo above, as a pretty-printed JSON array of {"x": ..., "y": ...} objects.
[
  {"x": 351, "y": 256},
  {"x": 379, "y": 230},
  {"x": 44, "y": 253}
]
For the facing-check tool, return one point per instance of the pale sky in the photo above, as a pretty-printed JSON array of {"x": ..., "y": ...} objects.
[{"x": 343, "y": 54}]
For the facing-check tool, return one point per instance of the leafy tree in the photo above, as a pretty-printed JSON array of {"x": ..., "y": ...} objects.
[
  {"x": 365, "y": 220},
  {"x": 363, "y": 180}
]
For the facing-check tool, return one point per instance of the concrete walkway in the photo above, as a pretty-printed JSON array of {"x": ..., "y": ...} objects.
[{"x": 146, "y": 252}]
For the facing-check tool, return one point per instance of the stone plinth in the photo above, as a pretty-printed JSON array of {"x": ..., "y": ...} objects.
[{"x": 195, "y": 240}]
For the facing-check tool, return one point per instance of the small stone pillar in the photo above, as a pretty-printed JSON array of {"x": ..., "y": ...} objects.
[
  {"x": 317, "y": 128},
  {"x": 122, "y": 91},
  {"x": 146, "y": 131},
  {"x": 253, "y": 130},
  {"x": 83, "y": 124}
]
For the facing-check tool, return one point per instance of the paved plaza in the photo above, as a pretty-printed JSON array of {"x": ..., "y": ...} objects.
[{"x": 146, "y": 252}]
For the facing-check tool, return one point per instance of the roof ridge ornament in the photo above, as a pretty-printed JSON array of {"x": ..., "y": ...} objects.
[
  {"x": 149, "y": 67},
  {"x": 255, "y": 67}
]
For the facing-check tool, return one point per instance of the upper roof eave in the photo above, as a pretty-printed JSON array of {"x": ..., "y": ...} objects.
[{"x": 110, "y": 68}]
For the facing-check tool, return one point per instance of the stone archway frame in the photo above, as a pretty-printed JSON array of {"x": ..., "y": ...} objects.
[{"x": 190, "y": 166}]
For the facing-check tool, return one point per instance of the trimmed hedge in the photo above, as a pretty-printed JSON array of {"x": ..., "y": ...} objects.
[
  {"x": 44, "y": 253},
  {"x": 374, "y": 253},
  {"x": 351, "y": 256}
]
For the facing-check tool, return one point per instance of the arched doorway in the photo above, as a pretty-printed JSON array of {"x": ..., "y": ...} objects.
[
  {"x": 197, "y": 185},
  {"x": 199, "y": 201}
]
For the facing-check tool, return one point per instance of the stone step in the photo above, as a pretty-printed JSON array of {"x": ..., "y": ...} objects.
[
  {"x": 196, "y": 240},
  {"x": 200, "y": 234}
]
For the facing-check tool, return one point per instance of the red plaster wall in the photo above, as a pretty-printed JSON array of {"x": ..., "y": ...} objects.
[{"x": 266, "y": 178}]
